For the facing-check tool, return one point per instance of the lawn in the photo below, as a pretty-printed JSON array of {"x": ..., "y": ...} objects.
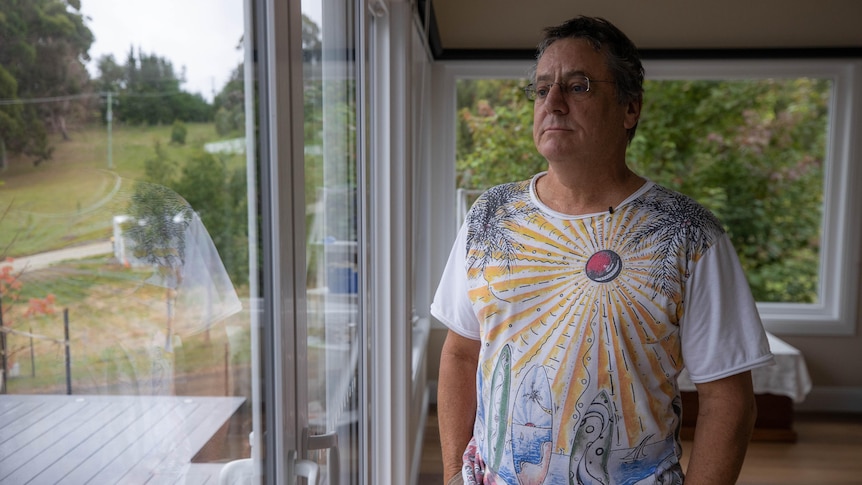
[
  {"x": 117, "y": 314},
  {"x": 72, "y": 197}
]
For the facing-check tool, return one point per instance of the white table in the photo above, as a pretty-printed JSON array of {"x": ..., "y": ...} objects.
[
  {"x": 787, "y": 377},
  {"x": 776, "y": 387}
]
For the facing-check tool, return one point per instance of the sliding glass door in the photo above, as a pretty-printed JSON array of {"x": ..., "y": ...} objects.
[
  {"x": 180, "y": 271},
  {"x": 129, "y": 289},
  {"x": 311, "y": 271},
  {"x": 332, "y": 278}
]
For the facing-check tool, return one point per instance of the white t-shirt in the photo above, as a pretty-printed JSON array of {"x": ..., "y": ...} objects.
[{"x": 585, "y": 323}]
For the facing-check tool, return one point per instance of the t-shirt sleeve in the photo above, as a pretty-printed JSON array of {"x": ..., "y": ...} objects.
[
  {"x": 721, "y": 331},
  {"x": 451, "y": 304}
]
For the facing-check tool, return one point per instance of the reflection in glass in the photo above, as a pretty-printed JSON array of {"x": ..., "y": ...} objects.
[
  {"x": 331, "y": 218},
  {"x": 125, "y": 303}
]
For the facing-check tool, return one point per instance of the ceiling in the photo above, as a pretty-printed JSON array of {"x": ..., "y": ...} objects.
[{"x": 511, "y": 28}]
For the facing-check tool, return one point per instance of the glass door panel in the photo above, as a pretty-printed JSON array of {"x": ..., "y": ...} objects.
[
  {"x": 126, "y": 287},
  {"x": 333, "y": 330}
]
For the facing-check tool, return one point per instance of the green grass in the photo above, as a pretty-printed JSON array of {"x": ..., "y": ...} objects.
[
  {"x": 72, "y": 198},
  {"x": 115, "y": 313},
  {"x": 117, "y": 323}
]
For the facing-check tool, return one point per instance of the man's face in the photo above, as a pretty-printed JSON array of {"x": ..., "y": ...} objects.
[{"x": 587, "y": 125}]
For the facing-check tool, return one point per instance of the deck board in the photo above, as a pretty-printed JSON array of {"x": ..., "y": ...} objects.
[
  {"x": 108, "y": 439},
  {"x": 24, "y": 463}
]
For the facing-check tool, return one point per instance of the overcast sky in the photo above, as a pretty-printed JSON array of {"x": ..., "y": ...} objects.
[{"x": 202, "y": 35}]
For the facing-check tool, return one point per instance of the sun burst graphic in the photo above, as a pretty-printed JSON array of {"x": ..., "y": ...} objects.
[{"x": 594, "y": 301}]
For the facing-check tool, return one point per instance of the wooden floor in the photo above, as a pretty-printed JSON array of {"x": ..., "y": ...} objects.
[{"x": 828, "y": 451}]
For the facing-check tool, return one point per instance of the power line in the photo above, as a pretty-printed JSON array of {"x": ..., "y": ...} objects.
[
  {"x": 55, "y": 99},
  {"x": 149, "y": 95}
]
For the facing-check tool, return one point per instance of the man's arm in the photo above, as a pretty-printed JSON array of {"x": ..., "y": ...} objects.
[
  {"x": 725, "y": 420},
  {"x": 456, "y": 399}
]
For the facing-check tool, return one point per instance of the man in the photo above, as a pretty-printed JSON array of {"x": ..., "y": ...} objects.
[{"x": 574, "y": 300}]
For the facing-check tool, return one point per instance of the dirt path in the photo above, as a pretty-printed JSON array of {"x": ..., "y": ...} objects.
[{"x": 38, "y": 261}]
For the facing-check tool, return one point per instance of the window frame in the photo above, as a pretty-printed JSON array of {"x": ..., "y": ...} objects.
[{"x": 835, "y": 312}]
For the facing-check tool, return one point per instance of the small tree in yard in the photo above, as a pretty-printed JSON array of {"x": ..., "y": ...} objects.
[
  {"x": 159, "y": 218},
  {"x": 10, "y": 316},
  {"x": 179, "y": 131}
]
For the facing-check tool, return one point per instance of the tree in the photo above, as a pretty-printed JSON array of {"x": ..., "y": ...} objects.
[
  {"x": 179, "y": 131},
  {"x": 112, "y": 76},
  {"x": 10, "y": 291},
  {"x": 10, "y": 114},
  {"x": 218, "y": 195},
  {"x": 495, "y": 131},
  {"x": 229, "y": 105},
  {"x": 11, "y": 286},
  {"x": 157, "y": 227},
  {"x": 311, "y": 44},
  {"x": 43, "y": 45},
  {"x": 751, "y": 151},
  {"x": 159, "y": 169},
  {"x": 147, "y": 90}
]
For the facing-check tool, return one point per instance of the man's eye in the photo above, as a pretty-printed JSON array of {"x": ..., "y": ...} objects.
[
  {"x": 577, "y": 87},
  {"x": 542, "y": 91}
]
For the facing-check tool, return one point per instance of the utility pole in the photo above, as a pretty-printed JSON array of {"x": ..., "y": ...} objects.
[{"x": 109, "y": 117}]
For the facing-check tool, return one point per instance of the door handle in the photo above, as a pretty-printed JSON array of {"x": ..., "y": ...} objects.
[
  {"x": 307, "y": 469},
  {"x": 327, "y": 441}
]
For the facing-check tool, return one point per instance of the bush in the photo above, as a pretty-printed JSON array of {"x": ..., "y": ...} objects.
[{"x": 179, "y": 132}]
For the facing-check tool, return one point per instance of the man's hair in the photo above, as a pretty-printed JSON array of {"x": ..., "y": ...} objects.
[{"x": 621, "y": 54}]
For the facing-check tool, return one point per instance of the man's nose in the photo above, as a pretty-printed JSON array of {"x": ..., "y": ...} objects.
[{"x": 555, "y": 101}]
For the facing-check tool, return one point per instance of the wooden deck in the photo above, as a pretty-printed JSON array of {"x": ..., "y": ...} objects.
[{"x": 48, "y": 439}]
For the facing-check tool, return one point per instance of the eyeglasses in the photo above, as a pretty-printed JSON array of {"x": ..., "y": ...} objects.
[{"x": 575, "y": 87}]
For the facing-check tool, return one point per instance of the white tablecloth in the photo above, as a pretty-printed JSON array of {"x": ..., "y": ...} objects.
[{"x": 787, "y": 377}]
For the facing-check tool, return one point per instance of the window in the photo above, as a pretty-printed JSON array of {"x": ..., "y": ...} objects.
[
  {"x": 764, "y": 145},
  {"x": 127, "y": 290},
  {"x": 332, "y": 262}
]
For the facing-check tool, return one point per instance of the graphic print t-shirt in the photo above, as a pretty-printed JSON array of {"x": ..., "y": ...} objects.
[{"x": 585, "y": 323}]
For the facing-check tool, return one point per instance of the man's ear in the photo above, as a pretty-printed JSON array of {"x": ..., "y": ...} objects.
[{"x": 633, "y": 113}]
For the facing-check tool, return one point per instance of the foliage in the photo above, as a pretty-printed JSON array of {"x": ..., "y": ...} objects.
[
  {"x": 148, "y": 91},
  {"x": 313, "y": 138},
  {"x": 218, "y": 195},
  {"x": 11, "y": 118},
  {"x": 43, "y": 47},
  {"x": 160, "y": 169},
  {"x": 311, "y": 44},
  {"x": 11, "y": 289},
  {"x": 229, "y": 105},
  {"x": 159, "y": 218},
  {"x": 10, "y": 316},
  {"x": 157, "y": 227},
  {"x": 179, "y": 131},
  {"x": 43, "y": 44},
  {"x": 11, "y": 285},
  {"x": 495, "y": 130},
  {"x": 751, "y": 151}
]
